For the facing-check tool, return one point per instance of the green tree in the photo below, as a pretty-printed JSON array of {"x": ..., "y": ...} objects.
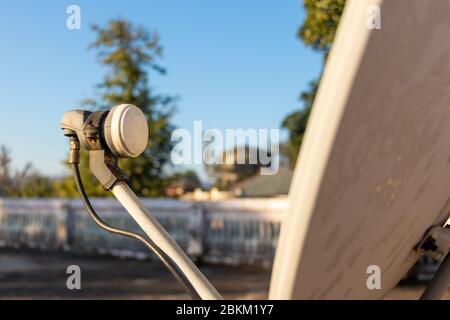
[
  {"x": 321, "y": 22},
  {"x": 10, "y": 180},
  {"x": 131, "y": 54},
  {"x": 296, "y": 123},
  {"x": 187, "y": 180},
  {"x": 25, "y": 182},
  {"x": 36, "y": 185},
  {"x": 317, "y": 31}
]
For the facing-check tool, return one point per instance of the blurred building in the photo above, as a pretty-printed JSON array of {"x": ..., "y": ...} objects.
[
  {"x": 260, "y": 186},
  {"x": 181, "y": 183},
  {"x": 257, "y": 186},
  {"x": 236, "y": 165}
]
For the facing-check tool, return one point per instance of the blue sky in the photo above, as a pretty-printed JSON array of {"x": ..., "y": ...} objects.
[{"x": 234, "y": 64}]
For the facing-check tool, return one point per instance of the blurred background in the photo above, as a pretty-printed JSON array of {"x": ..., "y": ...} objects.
[{"x": 233, "y": 64}]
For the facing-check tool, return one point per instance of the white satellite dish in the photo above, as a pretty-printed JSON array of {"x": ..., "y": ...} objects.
[{"x": 374, "y": 170}]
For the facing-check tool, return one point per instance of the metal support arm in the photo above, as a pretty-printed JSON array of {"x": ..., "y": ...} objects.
[
  {"x": 437, "y": 244},
  {"x": 158, "y": 235}
]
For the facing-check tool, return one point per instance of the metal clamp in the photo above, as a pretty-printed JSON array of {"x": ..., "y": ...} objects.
[
  {"x": 436, "y": 242},
  {"x": 103, "y": 165}
]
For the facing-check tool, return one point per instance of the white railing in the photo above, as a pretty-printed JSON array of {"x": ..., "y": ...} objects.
[
  {"x": 238, "y": 231},
  {"x": 242, "y": 231}
]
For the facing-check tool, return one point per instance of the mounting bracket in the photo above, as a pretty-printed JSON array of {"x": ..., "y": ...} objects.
[
  {"x": 436, "y": 244},
  {"x": 104, "y": 167},
  {"x": 102, "y": 162}
]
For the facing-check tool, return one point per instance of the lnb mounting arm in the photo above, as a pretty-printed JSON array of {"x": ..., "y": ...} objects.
[
  {"x": 436, "y": 244},
  {"x": 122, "y": 132}
]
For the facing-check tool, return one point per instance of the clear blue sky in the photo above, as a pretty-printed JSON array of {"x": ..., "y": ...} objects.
[{"x": 234, "y": 64}]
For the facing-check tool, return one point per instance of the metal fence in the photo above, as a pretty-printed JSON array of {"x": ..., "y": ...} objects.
[
  {"x": 238, "y": 231},
  {"x": 242, "y": 231}
]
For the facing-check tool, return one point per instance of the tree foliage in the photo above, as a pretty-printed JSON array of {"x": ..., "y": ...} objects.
[
  {"x": 131, "y": 54},
  {"x": 317, "y": 31},
  {"x": 296, "y": 123},
  {"x": 321, "y": 22},
  {"x": 188, "y": 180},
  {"x": 25, "y": 182},
  {"x": 9, "y": 180}
]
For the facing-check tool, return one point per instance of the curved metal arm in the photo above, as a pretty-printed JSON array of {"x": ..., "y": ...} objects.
[
  {"x": 436, "y": 244},
  {"x": 167, "y": 245},
  {"x": 167, "y": 251},
  {"x": 178, "y": 274}
]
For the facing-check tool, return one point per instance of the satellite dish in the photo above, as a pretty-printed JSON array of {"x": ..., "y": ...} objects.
[{"x": 373, "y": 174}]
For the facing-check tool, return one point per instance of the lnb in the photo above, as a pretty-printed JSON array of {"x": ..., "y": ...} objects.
[{"x": 123, "y": 129}]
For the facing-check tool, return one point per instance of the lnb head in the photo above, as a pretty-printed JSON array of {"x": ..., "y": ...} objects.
[{"x": 123, "y": 130}]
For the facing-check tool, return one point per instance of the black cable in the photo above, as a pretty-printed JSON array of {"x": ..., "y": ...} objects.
[{"x": 166, "y": 260}]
